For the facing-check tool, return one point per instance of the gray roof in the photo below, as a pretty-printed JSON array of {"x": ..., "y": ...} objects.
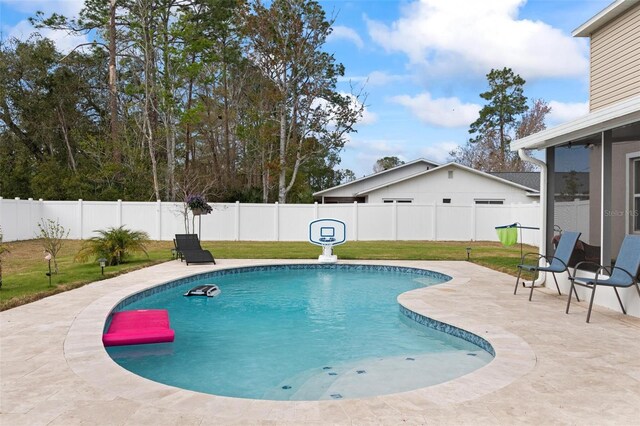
[
  {"x": 528, "y": 179},
  {"x": 532, "y": 180}
]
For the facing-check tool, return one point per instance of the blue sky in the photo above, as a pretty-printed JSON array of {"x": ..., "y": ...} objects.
[{"x": 423, "y": 64}]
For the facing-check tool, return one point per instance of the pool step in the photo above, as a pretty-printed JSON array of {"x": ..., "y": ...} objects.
[{"x": 371, "y": 377}]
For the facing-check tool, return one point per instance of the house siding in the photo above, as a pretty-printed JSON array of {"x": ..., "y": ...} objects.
[
  {"x": 463, "y": 189},
  {"x": 376, "y": 180},
  {"x": 615, "y": 60}
]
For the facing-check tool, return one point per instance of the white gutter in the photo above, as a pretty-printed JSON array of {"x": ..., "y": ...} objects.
[{"x": 543, "y": 206}]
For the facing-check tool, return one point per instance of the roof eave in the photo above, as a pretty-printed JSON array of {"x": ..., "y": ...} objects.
[
  {"x": 419, "y": 160},
  {"x": 617, "y": 115},
  {"x": 603, "y": 17},
  {"x": 453, "y": 164}
]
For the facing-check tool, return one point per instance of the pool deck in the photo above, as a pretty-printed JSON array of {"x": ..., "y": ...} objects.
[{"x": 550, "y": 368}]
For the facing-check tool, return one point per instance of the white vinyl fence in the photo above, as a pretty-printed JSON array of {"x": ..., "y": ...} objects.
[
  {"x": 271, "y": 222},
  {"x": 573, "y": 216}
]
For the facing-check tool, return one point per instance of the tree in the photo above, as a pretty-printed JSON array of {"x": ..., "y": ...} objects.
[
  {"x": 285, "y": 43},
  {"x": 386, "y": 163},
  {"x": 486, "y": 153},
  {"x": 100, "y": 16},
  {"x": 318, "y": 174},
  {"x": 346, "y": 176},
  {"x": 505, "y": 103},
  {"x": 532, "y": 121},
  {"x": 234, "y": 99},
  {"x": 46, "y": 109},
  {"x": 572, "y": 185},
  {"x": 52, "y": 235}
]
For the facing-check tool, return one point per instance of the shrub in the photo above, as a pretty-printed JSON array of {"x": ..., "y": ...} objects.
[
  {"x": 52, "y": 235},
  {"x": 114, "y": 244}
]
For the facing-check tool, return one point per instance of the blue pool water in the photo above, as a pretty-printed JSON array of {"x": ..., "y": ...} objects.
[{"x": 303, "y": 334}]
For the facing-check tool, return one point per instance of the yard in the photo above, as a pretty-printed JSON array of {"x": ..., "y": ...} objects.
[{"x": 25, "y": 280}]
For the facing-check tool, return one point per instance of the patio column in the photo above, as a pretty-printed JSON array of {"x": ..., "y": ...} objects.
[
  {"x": 548, "y": 183},
  {"x": 605, "y": 197}
]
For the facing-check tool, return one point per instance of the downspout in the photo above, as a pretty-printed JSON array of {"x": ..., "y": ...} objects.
[{"x": 543, "y": 206}]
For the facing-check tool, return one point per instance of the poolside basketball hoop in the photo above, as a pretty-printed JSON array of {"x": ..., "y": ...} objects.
[{"x": 327, "y": 233}]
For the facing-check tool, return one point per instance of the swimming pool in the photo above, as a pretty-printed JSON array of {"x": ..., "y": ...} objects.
[{"x": 300, "y": 332}]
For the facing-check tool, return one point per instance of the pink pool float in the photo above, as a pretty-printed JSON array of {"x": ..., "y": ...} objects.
[{"x": 138, "y": 327}]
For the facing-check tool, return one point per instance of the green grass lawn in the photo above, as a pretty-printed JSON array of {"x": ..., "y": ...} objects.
[{"x": 24, "y": 268}]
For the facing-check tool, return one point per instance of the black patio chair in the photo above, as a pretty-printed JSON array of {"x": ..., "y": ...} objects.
[{"x": 189, "y": 248}]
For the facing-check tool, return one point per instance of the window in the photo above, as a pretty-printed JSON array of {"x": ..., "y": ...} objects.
[
  {"x": 446, "y": 201},
  {"x": 450, "y": 174},
  {"x": 576, "y": 199},
  {"x": 397, "y": 200},
  {"x": 489, "y": 201}
]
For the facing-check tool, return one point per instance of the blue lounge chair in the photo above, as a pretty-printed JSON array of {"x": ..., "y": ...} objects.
[
  {"x": 623, "y": 274},
  {"x": 557, "y": 263}
]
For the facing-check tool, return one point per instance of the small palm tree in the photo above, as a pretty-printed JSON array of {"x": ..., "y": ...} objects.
[{"x": 114, "y": 244}]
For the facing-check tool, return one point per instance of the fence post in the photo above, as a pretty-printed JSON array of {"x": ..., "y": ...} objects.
[
  {"x": 17, "y": 219},
  {"x": 276, "y": 221},
  {"x": 435, "y": 221},
  {"x": 236, "y": 224},
  {"x": 119, "y": 213},
  {"x": 80, "y": 224},
  {"x": 30, "y": 212},
  {"x": 315, "y": 210},
  {"x": 40, "y": 210},
  {"x": 159, "y": 219},
  {"x": 355, "y": 221}
]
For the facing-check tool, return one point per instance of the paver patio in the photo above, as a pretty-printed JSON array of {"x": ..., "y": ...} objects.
[{"x": 550, "y": 368}]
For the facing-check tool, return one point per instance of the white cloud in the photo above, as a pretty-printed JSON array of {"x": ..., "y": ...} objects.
[
  {"x": 345, "y": 33},
  {"x": 365, "y": 153},
  {"x": 471, "y": 37},
  {"x": 442, "y": 112},
  {"x": 368, "y": 116},
  {"x": 439, "y": 151},
  {"x": 381, "y": 146},
  {"x": 562, "y": 112},
  {"x": 376, "y": 78},
  {"x": 63, "y": 40}
]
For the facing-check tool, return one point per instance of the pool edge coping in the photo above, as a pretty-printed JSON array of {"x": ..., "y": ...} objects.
[{"x": 86, "y": 356}]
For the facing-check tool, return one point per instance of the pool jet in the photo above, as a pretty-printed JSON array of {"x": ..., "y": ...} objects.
[{"x": 327, "y": 233}]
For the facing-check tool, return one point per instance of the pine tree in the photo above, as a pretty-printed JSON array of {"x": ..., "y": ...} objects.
[{"x": 505, "y": 103}]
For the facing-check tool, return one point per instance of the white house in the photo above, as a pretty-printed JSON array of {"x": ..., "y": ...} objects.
[
  {"x": 348, "y": 192},
  {"x": 424, "y": 182},
  {"x": 605, "y": 143}
]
